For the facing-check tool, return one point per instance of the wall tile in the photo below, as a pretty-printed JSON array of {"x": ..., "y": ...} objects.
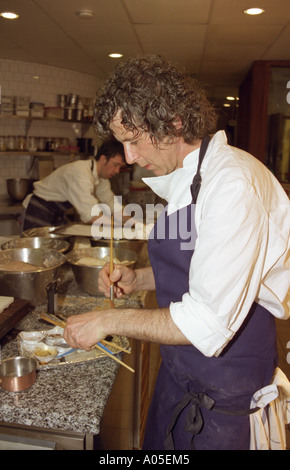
[{"x": 16, "y": 78}]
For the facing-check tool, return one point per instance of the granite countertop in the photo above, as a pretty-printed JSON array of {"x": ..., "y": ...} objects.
[
  {"x": 71, "y": 397},
  {"x": 68, "y": 397}
]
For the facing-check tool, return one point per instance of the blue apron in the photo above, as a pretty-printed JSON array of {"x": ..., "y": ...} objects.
[{"x": 201, "y": 402}]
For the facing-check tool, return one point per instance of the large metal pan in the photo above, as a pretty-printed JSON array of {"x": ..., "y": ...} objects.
[
  {"x": 47, "y": 232},
  {"x": 122, "y": 244},
  {"x": 37, "y": 242},
  {"x": 29, "y": 285}
]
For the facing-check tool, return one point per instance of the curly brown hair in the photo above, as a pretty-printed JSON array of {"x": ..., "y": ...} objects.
[{"x": 151, "y": 95}]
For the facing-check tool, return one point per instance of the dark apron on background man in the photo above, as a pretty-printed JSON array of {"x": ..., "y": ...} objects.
[
  {"x": 41, "y": 213},
  {"x": 203, "y": 402}
]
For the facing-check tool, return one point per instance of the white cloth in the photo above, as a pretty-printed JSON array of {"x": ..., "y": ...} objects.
[
  {"x": 76, "y": 183},
  {"x": 242, "y": 220},
  {"x": 268, "y": 424}
]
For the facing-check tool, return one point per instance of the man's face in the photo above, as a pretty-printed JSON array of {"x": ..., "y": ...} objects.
[
  {"x": 139, "y": 149},
  {"x": 109, "y": 168}
]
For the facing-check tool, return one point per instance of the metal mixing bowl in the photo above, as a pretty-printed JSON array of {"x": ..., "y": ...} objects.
[
  {"x": 123, "y": 244},
  {"x": 29, "y": 285},
  {"x": 18, "y": 188},
  {"x": 87, "y": 276},
  {"x": 46, "y": 232},
  {"x": 37, "y": 242}
]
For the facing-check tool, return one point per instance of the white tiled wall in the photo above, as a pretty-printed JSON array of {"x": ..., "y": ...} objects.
[
  {"x": 12, "y": 166},
  {"x": 17, "y": 79}
]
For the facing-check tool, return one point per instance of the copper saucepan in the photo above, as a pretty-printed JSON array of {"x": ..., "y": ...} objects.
[{"x": 17, "y": 373}]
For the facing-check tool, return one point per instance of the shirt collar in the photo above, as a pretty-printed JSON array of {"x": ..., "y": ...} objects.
[
  {"x": 168, "y": 186},
  {"x": 175, "y": 187}
]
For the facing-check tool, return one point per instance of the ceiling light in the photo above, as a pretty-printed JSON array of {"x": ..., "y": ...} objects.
[
  {"x": 115, "y": 56},
  {"x": 85, "y": 14},
  {"x": 254, "y": 11},
  {"x": 230, "y": 98},
  {"x": 9, "y": 15},
  {"x": 226, "y": 105}
]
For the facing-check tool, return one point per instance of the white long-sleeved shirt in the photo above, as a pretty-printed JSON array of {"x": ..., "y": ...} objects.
[
  {"x": 242, "y": 221},
  {"x": 77, "y": 183}
]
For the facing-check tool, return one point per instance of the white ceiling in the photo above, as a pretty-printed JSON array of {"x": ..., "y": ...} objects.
[{"x": 213, "y": 39}]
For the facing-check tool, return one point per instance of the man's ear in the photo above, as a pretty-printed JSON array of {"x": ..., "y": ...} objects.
[{"x": 103, "y": 159}]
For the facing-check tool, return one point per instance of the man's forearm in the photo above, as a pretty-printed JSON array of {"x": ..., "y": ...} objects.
[{"x": 155, "y": 325}]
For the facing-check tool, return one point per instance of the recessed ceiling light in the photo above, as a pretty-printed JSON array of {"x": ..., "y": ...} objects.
[
  {"x": 230, "y": 98},
  {"x": 115, "y": 56},
  {"x": 226, "y": 105},
  {"x": 254, "y": 11},
  {"x": 9, "y": 15},
  {"x": 85, "y": 14}
]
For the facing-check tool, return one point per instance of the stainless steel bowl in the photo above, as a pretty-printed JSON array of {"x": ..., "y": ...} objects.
[
  {"x": 123, "y": 244},
  {"x": 37, "y": 242},
  {"x": 87, "y": 276},
  {"x": 47, "y": 232},
  {"x": 18, "y": 188},
  {"x": 29, "y": 285}
]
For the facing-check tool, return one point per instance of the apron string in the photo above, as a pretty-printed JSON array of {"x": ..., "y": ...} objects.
[
  {"x": 196, "y": 182},
  {"x": 194, "y": 419}
]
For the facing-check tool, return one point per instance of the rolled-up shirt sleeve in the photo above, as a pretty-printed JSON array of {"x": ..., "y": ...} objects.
[{"x": 226, "y": 267}]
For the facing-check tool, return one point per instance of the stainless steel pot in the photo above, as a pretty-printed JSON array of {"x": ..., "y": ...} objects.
[
  {"x": 37, "y": 242},
  {"x": 17, "y": 373},
  {"x": 18, "y": 188},
  {"x": 29, "y": 285},
  {"x": 123, "y": 244},
  {"x": 87, "y": 276},
  {"x": 47, "y": 232}
]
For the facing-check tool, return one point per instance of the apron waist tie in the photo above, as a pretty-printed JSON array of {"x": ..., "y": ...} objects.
[{"x": 194, "y": 419}]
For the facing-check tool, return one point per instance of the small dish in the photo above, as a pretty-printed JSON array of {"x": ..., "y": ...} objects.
[
  {"x": 54, "y": 336},
  {"x": 53, "y": 340},
  {"x": 31, "y": 338},
  {"x": 62, "y": 346},
  {"x": 44, "y": 353}
]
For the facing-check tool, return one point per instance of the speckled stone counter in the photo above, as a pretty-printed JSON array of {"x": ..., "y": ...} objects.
[{"x": 68, "y": 397}]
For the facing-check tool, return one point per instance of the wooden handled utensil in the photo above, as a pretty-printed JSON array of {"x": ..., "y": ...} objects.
[
  {"x": 112, "y": 261},
  {"x": 100, "y": 346}
]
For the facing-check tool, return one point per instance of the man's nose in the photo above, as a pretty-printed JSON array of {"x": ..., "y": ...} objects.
[{"x": 130, "y": 154}]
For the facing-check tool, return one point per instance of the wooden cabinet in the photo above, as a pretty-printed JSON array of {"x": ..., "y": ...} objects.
[
  {"x": 20, "y": 437},
  {"x": 124, "y": 420},
  {"x": 253, "y": 115}
]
